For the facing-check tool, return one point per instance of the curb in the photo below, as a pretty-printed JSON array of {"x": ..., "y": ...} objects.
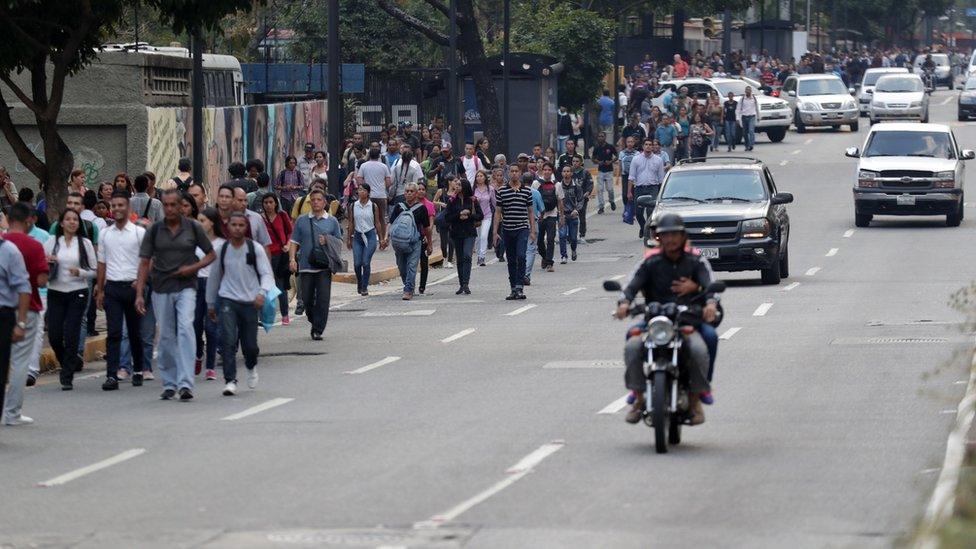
[
  {"x": 383, "y": 275},
  {"x": 94, "y": 350}
]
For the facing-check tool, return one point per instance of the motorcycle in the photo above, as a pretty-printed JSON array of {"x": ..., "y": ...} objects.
[
  {"x": 666, "y": 397},
  {"x": 928, "y": 79}
]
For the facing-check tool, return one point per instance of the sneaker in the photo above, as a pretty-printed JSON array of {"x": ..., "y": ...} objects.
[
  {"x": 31, "y": 380},
  {"x": 230, "y": 389},
  {"x": 574, "y": 256},
  {"x": 421, "y": 290},
  {"x": 636, "y": 412},
  {"x": 697, "y": 413},
  {"x": 582, "y": 240},
  {"x": 467, "y": 291},
  {"x": 67, "y": 387},
  {"x": 526, "y": 281},
  {"x": 300, "y": 309},
  {"x": 448, "y": 265},
  {"x": 562, "y": 260},
  {"x": 481, "y": 262},
  {"x": 613, "y": 205},
  {"x": 137, "y": 380},
  {"x": 707, "y": 398},
  {"x": 550, "y": 269},
  {"x": 19, "y": 420},
  {"x": 111, "y": 384},
  {"x": 197, "y": 366},
  {"x": 459, "y": 291},
  {"x": 186, "y": 394},
  {"x": 123, "y": 375},
  {"x": 211, "y": 374},
  {"x": 599, "y": 211},
  {"x": 92, "y": 333},
  {"x": 407, "y": 296},
  {"x": 521, "y": 294},
  {"x": 316, "y": 337},
  {"x": 512, "y": 296},
  {"x": 148, "y": 375},
  {"x": 168, "y": 394},
  {"x": 252, "y": 378},
  {"x": 285, "y": 320}
]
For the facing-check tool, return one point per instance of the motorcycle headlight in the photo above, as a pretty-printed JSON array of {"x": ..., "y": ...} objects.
[
  {"x": 660, "y": 330},
  {"x": 755, "y": 228}
]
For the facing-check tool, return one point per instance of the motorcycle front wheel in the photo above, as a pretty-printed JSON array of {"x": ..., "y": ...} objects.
[{"x": 659, "y": 410}]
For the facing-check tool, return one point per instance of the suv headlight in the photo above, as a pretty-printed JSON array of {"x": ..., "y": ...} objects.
[
  {"x": 878, "y": 104},
  {"x": 755, "y": 228},
  {"x": 805, "y": 106},
  {"x": 945, "y": 180},
  {"x": 660, "y": 330},
  {"x": 850, "y": 104},
  {"x": 867, "y": 178},
  {"x": 915, "y": 104}
]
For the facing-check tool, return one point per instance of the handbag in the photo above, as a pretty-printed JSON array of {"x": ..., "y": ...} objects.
[
  {"x": 318, "y": 258},
  {"x": 53, "y": 267},
  {"x": 628, "y": 215}
]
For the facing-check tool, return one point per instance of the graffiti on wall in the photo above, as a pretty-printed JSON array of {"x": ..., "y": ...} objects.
[
  {"x": 85, "y": 158},
  {"x": 235, "y": 134}
]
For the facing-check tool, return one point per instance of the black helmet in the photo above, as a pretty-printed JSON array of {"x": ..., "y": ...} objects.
[{"x": 670, "y": 223}]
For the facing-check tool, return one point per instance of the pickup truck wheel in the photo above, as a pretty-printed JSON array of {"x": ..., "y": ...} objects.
[
  {"x": 800, "y": 127},
  {"x": 771, "y": 275},
  {"x": 854, "y": 127},
  {"x": 862, "y": 220},
  {"x": 955, "y": 219},
  {"x": 784, "y": 263},
  {"x": 776, "y": 134}
]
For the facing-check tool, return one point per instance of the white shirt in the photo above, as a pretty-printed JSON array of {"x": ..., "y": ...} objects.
[
  {"x": 363, "y": 216},
  {"x": 747, "y": 107},
  {"x": 119, "y": 251},
  {"x": 89, "y": 215},
  {"x": 413, "y": 173},
  {"x": 69, "y": 258},
  {"x": 471, "y": 166},
  {"x": 217, "y": 243}
]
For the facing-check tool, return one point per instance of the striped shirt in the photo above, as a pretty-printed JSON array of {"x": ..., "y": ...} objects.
[{"x": 515, "y": 205}]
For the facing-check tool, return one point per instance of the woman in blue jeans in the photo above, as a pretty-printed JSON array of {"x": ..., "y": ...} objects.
[
  {"x": 202, "y": 324},
  {"x": 363, "y": 235}
]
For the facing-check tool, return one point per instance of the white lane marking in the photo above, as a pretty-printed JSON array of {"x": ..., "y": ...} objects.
[
  {"x": 729, "y": 333},
  {"x": 960, "y": 382},
  {"x": 618, "y": 277},
  {"x": 273, "y": 403},
  {"x": 789, "y": 287},
  {"x": 615, "y": 406},
  {"x": 812, "y": 271},
  {"x": 808, "y": 141},
  {"x": 929, "y": 471},
  {"x": 797, "y": 151},
  {"x": 948, "y": 411},
  {"x": 947, "y": 99},
  {"x": 522, "y": 309},
  {"x": 573, "y": 291},
  {"x": 458, "y": 335},
  {"x": 848, "y": 233},
  {"x": 943, "y": 501},
  {"x": 418, "y": 312},
  {"x": 78, "y": 473},
  {"x": 832, "y": 252},
  {"x": 373, "y": 366},
  {"x": 784, "y": 162},
  {"x": 515, "y": 473},
  {"x": 762, "y": 309}
]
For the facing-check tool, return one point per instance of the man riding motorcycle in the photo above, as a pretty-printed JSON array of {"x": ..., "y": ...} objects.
[{"x": 670, "y": 273}]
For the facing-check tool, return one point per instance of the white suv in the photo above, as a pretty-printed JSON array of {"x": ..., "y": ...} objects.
[
  {"x": 909, "y": 169},
  {"x": 820, "y": 100},
  {"x": 871, "y": 77},
  {"x": 774, "y": 114}
]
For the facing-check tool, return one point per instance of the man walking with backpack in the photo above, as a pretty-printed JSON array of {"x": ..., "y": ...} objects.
[
  {"x": 240, "y": 276},
  {"x": 409, "y": 234},
  {"x": 572, "y": 201},
  {"x": 552, "y": 201}
]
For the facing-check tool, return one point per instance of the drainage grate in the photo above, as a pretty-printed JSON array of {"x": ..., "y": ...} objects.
[
  {"x": 887, "y": 340},
  {"x": 576, "y": 364}
]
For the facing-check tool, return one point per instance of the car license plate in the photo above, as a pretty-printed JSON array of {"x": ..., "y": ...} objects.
[
  {"x": 905, "y": 200},
  {"x": 709, "y": 253},
  {"x": 832, "y": 115}
]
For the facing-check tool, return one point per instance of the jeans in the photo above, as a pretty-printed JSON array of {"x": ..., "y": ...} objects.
[
  {"x": 147, "y": 333},
  {"x": 710, "y": 336},
  {"x": 582, "y": 215},
  {"x": 279, "y": 264},
  {"x": 749, "y": 130},
  {"x": 730, "y": 131},
  {"x": 464, "y": 246},
  {"x": 531, "y": 250},
  {"x": 484, "y": 231},
  {"x": 239, "y": 320},
  {"x": 65, "y": 309},
  {"x": 604, "y": 182},
  {"x": 407, "y": 264},
  {"x": 202, "y": 325},
  {"x": 317, "y": 293},
  {"x": 20, "y": 356},
  {"x": 639, "y": 211},
  {"x": 561, "y": 143},
  {"x": 568, "y": 232},
  {"x": 8, "y": 319},
  {"x": 547, "y": 239},
  {"x": 34, "y": 368},
  {"x": 515, "y": 247},
  {"x": 695, "y": 362},
  {"x": 177, "y": 342},
  {"x": 363, "y": 248},
  {"x": 120, "y": 307}
]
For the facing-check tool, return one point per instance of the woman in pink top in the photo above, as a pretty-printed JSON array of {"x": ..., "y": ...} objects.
[
  {"x": 424, "y": 264},
  {"x": 485, "y": 195}
]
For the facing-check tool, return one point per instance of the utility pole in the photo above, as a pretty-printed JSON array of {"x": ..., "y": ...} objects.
[
  {"x": 727, "y": 37},
  {"x": 506, "y": 100},
  {"x": 452, "y": 79},
  {"x": 196, "y": 36},
  {"x": 616, "y": 79},
  {"x": 335, "y": 100}
]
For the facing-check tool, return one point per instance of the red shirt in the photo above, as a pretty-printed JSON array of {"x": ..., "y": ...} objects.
[
  {"x": 280, "y": 232},
  {"x": 34, "y": 259},
  {"x": 680, "y": 69}
]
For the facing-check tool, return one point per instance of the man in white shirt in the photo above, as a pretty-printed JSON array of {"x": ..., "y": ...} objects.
[
  {"x": 118, "y": 269},
  {"x": 472, "y": 164},
  {"x": 745, "y": 114},
  {"x": 307, "y": 162},
  {"x": 405, "y": 170},
  {"x": 378, "y": 176}
]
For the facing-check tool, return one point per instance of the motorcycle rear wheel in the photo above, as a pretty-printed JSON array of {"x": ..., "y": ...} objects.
[{"x": 659, "y": 410}]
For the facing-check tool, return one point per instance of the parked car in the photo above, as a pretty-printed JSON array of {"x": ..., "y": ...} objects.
[
  {"x": 900, "y": 97},
  {"x": 820, "y": 100},
  {"x": 910, "y": 169},
  {"x": 733, "y": 214},
  {"x": 943, "y": 69},
  {"x": 866, "y": 89},
  {"x": 966, "y": 103}
]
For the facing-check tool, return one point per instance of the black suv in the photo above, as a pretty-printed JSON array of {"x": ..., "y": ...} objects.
[{"x": 733, "y": 214}]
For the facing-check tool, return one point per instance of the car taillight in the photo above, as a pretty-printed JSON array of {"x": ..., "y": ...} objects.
[{"x": 774, "y": 93}]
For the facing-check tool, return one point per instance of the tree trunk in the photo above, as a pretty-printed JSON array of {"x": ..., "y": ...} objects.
[
  {"x": 58, "y": 163},
  {"x": 473, "y": 52}
]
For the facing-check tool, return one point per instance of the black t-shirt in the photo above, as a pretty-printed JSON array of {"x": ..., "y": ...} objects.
[
  {"x": 729, "y": 106},
  {"x": 420, "y": 215},
  {"x": 450, "y": 167},
  {"x": 637, "y": 132},
  {"x": 604, "y": 155}
]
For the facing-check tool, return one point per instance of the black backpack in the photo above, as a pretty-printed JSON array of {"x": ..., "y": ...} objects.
[{"x": 548, "y": 191}]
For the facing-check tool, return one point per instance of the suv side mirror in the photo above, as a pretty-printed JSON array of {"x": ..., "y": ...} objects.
[
  {"x": 782, "y": 198},
  {"x": 968, "y": 154},
  {"x": 611, "y": 286},
  {"x": 852, "y": 152},
  {"x": 791, "y": 93},
  {"x": 646, "y": 201}
]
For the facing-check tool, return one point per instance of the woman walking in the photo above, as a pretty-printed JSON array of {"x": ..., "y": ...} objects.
[
  {"x": 681, "y": 144},
  {"x": 699, "y": 132},
  {"x": 464, "y": 215},
  {"x": 209, "y": 218},
  {"x": 441, "y": 200},
  {"x": 362, "y": 236},
  {"x": 72, "y": 260},
  {"x": 290, "y": 183},
  {"x": 424, "y": 258},
  {"x": 320, "y": 169},
  {"x": 280, "y": 227},
  {"x": 715, "y": 112},
  {"x": 485, "y": 195}
]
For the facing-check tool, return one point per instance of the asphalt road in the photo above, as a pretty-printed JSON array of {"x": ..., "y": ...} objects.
[{"x": 822, "y": 435}]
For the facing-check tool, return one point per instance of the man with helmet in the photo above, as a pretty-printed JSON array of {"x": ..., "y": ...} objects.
[{"x": 670, "y": 273}]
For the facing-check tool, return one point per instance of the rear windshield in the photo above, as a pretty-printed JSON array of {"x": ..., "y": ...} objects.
[
  {"x": 910, "y": 143},
  {"x": 714, "y": 185}
]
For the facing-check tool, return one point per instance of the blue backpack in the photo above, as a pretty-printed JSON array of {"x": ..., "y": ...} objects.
[{"x": 403, "y": 231}]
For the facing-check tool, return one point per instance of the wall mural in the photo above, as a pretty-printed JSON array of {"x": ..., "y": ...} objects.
[{"x": 266, "y": 132}]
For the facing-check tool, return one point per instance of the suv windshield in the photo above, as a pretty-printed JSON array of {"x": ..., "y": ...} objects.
[
  {"x": 822, "y": 86},
  {"x": 872, "y": 77},
  {"x": 910, "y": 143},
  {"x": 707, "y": 185},
  {"x": 896, "y": 84},
  {"x": 737, "y": 88},
  {"x": 971, "y": 83}
]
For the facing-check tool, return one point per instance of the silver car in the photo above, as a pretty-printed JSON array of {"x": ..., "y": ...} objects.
[
  {"x": 820, "y": 100},
  {"x": 899, "y": 97}
]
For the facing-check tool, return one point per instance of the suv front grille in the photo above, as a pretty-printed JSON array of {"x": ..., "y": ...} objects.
[
  {"x": 830, "y": 105},
  {"x": 717, "y": 231},
  {"x": 905, "y": 173}
]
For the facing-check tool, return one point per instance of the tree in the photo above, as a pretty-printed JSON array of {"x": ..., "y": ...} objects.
[
  {"x": 53, "y": 40},
  {"x": 472, "y": 49}
]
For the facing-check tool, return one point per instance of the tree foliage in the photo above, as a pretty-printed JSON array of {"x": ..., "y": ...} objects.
[{"x": 580, "y": 39}]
